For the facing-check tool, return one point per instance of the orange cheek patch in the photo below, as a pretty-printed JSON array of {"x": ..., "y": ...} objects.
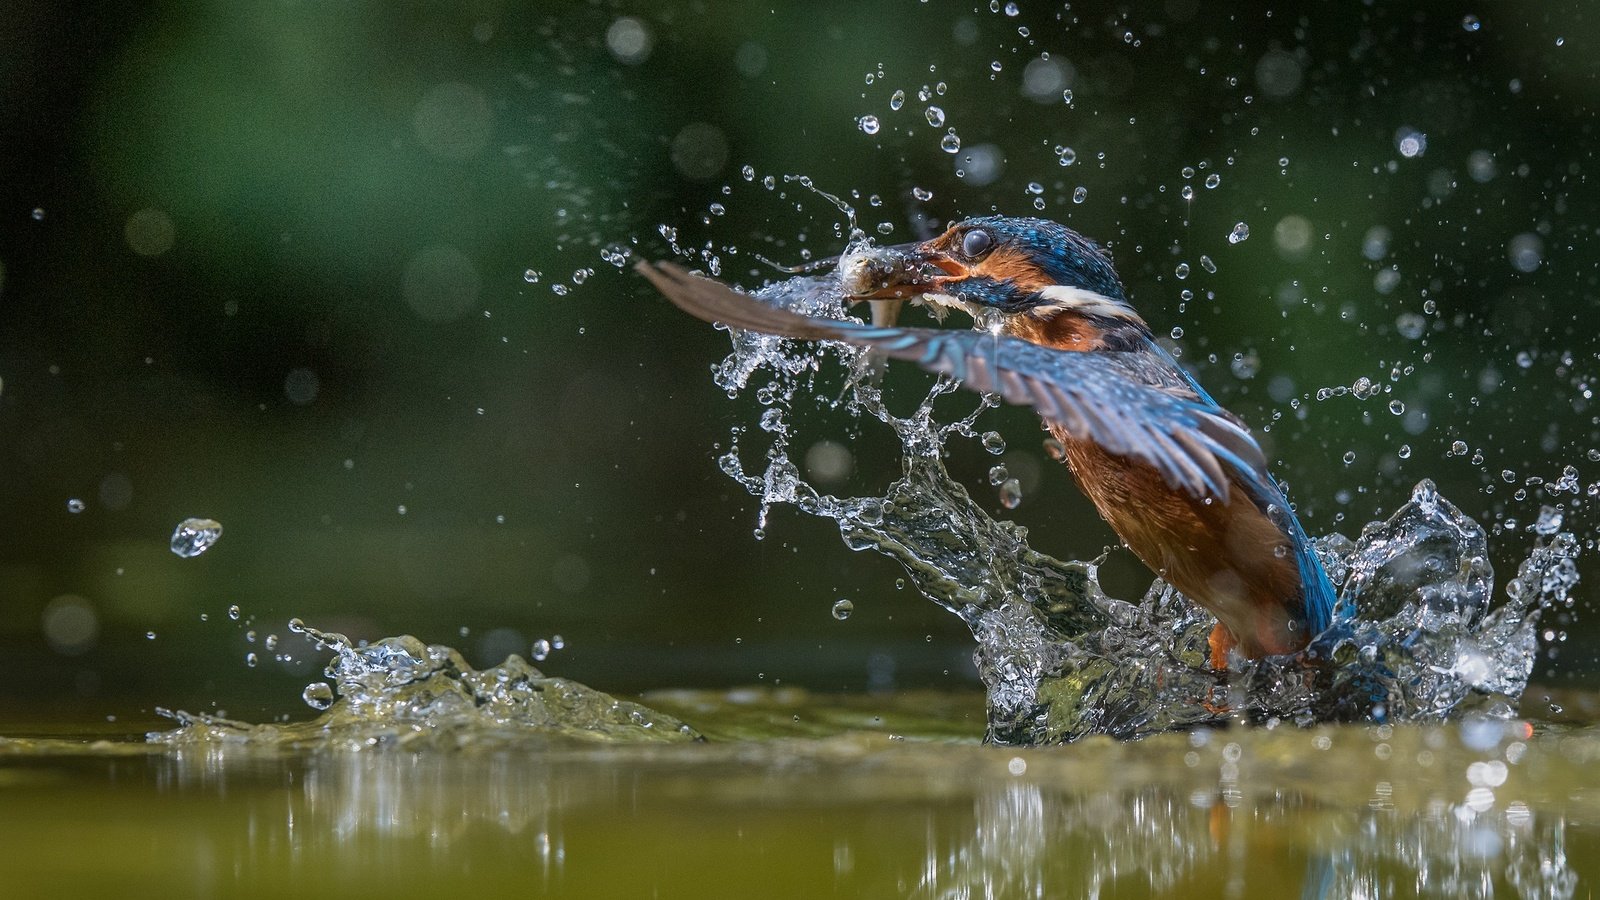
[{"x": 1005, "y": 264}]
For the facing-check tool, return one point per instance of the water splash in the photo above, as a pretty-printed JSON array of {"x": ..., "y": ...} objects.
[
  {"x": 400, "y": 692},
  {"x": 1060, "y": 659},
  {"x": 194, "y": 536}
]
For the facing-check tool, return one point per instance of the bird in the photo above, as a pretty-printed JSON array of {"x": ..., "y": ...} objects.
[{"x": 1180, "y": 479}]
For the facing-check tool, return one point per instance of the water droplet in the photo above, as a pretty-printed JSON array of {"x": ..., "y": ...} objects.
[
  {"x": 1177, "y": 332},
  {"x": 1187, "y": 192},
  {"x": 1458, "y": 448},
  {"x": 842, "y": 609},
  {"x": 1470, "y": 22},
  {"x": 1404, "y": 452},
  {"x": 1410, "y": 142},
  {"x": 922, "y": 194},
  {"x": 531, "y": 276},
  {"x": 897, "y": 100},
  {"x": 1182, "y": 271},
  {"x": 1349, "y": 457},
  {"x": 75, "y": 506},
  {"x": 1080, "y": 195},
  {"x": 1035, "y": 188},
  {"x": 994, "y": 442},
  {"x": 1012, "y": 10},
  {"x": 1410, "y": 325},
  {"x": 935, "y": 117},
  {"x": 869, "y": 124},
  {"x": 1011, "y": 493},
  {"x": 1207, "y": 264},
  {"x": 1550, "y": 521},
  {"x": 540, "y": 651},
  {"x": 250, "y": 659},
  {"x": 193, "y": 537},
  {"x": 749, "y": 173},
  {"x": 1213, "y": 180},
  {"x": 318, "y": 695},
  {"x": 1397, "y": 407},
  {"x": 950, "y": 143},
  {"x": 1239, "y": 234},
  {"x": 1066, "y": 156},
  {"x": 234, "y": 612},
  {"x": 38, "y": 214}
]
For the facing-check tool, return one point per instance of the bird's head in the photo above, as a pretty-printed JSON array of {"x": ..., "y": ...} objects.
[{"x": 1029, "y": 271}]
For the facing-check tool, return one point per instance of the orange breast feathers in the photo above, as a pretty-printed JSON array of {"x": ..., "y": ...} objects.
[{"x": 1229, "y": 558}]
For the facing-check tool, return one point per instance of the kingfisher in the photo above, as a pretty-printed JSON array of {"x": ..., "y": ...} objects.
[{"x": 1181, "y": 480}]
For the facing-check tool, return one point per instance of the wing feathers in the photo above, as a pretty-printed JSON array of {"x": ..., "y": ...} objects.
[{"x": 1191, "y": 443}]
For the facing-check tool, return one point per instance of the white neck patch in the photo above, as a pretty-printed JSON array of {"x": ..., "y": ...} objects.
[{"x": 1063, "y": 298}]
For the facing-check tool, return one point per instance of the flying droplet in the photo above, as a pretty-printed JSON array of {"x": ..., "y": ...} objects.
[
  {"x": 318, "y": 695},
  {"x": 1080, "y": 194},
  {"x": 869, "y": 124},
  {"x": 898, "y": 100},
  {"x": 1011, "y": 493},
  {"x": 193, "y": 536},
  {"x": 1213, "y": 180},
  {"x": 842, "y": 609},
  {"x": 1239, "y": 234},
  {"x": 994, "y": 442},
  {"x": 951, "y": 143},
  {"x": 75, "y": 506}
]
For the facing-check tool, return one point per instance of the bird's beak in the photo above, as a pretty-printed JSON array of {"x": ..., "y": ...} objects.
[{"x": 899, "y": 272}]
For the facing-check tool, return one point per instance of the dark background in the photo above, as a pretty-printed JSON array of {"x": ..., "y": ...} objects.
[{"x": 270, "y": 263}]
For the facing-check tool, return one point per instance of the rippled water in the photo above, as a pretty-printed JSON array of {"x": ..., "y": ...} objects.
[
  {"x": 1421, "y": 633},
  {"x": 797, "y": 795}
]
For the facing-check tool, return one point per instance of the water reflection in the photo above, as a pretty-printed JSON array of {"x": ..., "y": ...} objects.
[{"x": 1478, "y": 811}]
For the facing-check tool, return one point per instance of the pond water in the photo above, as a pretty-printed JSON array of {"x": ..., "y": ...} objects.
[{"x": 798, "y": 795}]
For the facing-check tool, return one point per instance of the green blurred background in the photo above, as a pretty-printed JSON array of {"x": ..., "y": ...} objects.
[{"x": 340, "y": 275}]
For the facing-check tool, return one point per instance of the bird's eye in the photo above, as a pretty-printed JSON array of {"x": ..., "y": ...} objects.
[{"x": 976, "y": 243}]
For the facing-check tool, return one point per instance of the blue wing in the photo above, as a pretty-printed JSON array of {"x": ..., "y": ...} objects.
[
  {"x": 1264, "y": 492},
  {"x": 1132, "y": 404}
]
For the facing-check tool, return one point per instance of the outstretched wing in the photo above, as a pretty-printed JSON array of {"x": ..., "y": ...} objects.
[{"x": 1093, "y": 397}]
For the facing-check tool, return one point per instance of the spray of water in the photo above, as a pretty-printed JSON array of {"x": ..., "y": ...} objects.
[
  {"x": 400, "y": 692},
  {"x": 1422, "y": 636}
]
